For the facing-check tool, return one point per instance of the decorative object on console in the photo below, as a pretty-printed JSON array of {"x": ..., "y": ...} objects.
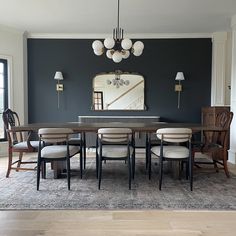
[
  {"x": 118, "y": 47},
  {"x": 178, "y": 87},
  {"x": 59, "y": 87},
  {"x": 117, "y": 81}
]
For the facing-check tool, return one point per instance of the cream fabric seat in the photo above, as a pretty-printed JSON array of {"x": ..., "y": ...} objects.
[
  {"x": 24, "y": 145},
  {"x": 174, "y": 137},
  {"x": 57, "y": 151},
  {"x": 114, "y": 144},
  {"x": 174, "y": 152}
]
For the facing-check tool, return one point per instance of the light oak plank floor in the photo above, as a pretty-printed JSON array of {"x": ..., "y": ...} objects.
[{"x": 118, "y": 223}]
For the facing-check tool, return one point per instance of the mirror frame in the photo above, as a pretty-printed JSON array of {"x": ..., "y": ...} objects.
[{"x": 118, "y": 72}]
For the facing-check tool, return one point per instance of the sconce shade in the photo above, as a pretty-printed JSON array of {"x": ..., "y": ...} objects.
[
  {"x": 58, "y": 75},
  {"x": 179, "y": 76}
]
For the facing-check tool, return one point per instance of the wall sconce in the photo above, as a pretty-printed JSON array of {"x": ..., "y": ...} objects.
[
  {"x": 59, "y": 87},
  {"x": 178, "y": 87}
]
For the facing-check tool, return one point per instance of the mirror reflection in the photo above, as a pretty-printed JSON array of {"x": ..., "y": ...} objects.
[{"x": 118, "y": 91}]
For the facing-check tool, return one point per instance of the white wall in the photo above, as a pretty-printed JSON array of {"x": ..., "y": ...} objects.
[
  {"x": 13, "y": 48},
  {"x": 12, "y": 45}
]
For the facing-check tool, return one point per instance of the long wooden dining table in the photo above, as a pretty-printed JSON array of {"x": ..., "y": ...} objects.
[{"x": 145, "y": 127}]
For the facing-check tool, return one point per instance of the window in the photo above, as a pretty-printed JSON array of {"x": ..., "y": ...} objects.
[
  {"x": 3, "y": 95},
  {"x": 98, "y": 100}
]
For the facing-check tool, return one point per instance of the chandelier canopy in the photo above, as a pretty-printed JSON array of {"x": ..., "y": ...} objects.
[{"x": 117, "y": 47}]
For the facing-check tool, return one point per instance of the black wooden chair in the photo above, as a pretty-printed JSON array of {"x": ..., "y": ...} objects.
[
  {"x": 174, "y": 151},
  {"x": 59, "y": 150},
  {"x": 115, "y": 144}
]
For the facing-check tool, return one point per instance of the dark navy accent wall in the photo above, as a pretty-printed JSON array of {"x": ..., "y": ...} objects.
[{"x": 159, "y": 63}]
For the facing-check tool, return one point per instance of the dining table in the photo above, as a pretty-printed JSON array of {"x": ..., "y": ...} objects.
[
  {"x": 137, "y": 127},
  {"x": 147, "y": 127}
]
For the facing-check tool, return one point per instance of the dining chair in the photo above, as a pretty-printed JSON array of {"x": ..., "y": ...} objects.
[
  {"x": 178, "y": 148},
  {"x": 17, "y": 143},
  {"x": 216, "y": 143},
  {"x": 115, "y": 144},
  {"x": 59, "y": 150}
]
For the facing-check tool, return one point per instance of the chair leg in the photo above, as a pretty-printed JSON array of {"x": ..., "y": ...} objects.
[
  {"x": 9, "y": 163},
  {"x": 43, "y": 167},
  {"x": 160, "y": 172},
  {"x": 215, "y": 166},
  {"x": 68, "y": 172},
  {"x": 226, "y": 168},
  {"x": 19, "y": 161},
  {"x": 38, "y": 174},
  {"x": 147, "y": 151},
  {"x": 97, "y": 164},
  {"x": 190, "y": 173},
  {"x": 129, "y": 167},
  {"x": 133, "y": 163},
  {"x": 187, "y": 170},
  {"x": 99, "y": 172},
  {"x": 81, "y": 165},
  {"x": 84, "y": 149},
  {"x": 149, "y": 165}
]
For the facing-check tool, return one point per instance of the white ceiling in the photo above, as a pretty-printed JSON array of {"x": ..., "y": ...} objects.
[{"x": 100, "y": 16}]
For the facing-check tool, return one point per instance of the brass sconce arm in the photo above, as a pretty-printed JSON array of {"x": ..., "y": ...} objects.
[
  {"x": 178, "y": 87},
  {"x": 59, "y": 87}
]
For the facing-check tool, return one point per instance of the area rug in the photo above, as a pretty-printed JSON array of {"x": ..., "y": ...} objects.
[{"x": 211, "y": 190}]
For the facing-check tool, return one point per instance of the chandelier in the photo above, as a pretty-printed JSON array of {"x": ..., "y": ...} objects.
[
  {"x": 117, "y": 81},
  {"x": 117, "y": 47}
]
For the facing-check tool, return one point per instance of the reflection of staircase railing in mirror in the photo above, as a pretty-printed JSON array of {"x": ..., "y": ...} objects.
[
  {"x": 123, "y": 94},
  {"x": 136, "y": 104}
]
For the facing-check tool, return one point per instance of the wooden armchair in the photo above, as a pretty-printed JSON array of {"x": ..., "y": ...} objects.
[
  {"x": 16, "y": 142},
  {"x": 216, "y": 143}
]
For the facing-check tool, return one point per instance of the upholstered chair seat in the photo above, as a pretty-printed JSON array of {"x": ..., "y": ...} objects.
[
  {"x": 175, "y": 145},
  {"x": 24, "y": 145},
  {"x": 114, "y": 144},
  {"x": 115, "y": 151},
  {"x": 174, "y": 152},
  {"x": 59, "y": 150}
]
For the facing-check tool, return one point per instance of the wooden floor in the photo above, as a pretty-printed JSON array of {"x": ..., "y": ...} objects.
[{"x": 118, "y": 223}]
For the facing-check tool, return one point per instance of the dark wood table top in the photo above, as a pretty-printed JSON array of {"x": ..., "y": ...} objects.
[{"x": 136, "y": 127}]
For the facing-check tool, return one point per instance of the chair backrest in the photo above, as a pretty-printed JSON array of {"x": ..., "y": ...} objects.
[
  {"x": 11, "y": 119},
  {"x": 54, "y": 135},
  {"x": 115, "y": 135},
  {"x": 174, "y": 135},
  {"x": 223, "y": 120}
]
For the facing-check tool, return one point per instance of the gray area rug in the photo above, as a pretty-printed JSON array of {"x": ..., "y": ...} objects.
[{"x": 211, "y": 191}]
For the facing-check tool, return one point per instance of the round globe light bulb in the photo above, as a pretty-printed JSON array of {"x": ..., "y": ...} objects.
[
  {"x": 98, "y": 52},
  {"x": 97, "y": 45},
  {"x": 138, "y": 46},
  {"x": 137, "y": 53},
  {"x": 109, "y": 53},
  {"x": 117, "y": 57},
  {"x": 125, "y": 54},
  {"x": 109, "y": 43},
  {"x": 126, "y": 44}
]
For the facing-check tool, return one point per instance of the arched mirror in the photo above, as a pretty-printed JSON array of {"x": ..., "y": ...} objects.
[{"x": 118, "y": 91}]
